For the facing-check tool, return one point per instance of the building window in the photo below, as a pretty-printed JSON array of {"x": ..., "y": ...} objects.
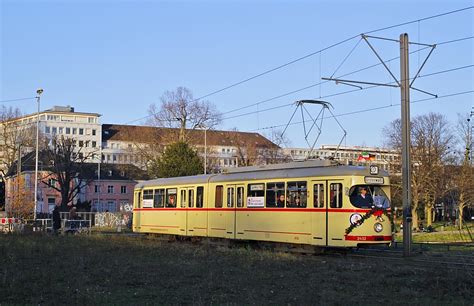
[
  {"x": 74, "y": 131},
  {"x": 51, "y": 182},
  {"x": 60, "y": 130},
  {"x": 110, "y": 189},
  {"x": 47, "y": 130},
  {"x": 97, "y": 188},
  {"x": 94, "y": 144},
  {"x": 81, "y": 143},
  {"x": 68, "y": 131},
  {"x": 123, "y": 189},
  {"x": 93, "y": 132},
  {"x": 111, "y": 206},
  {"x": 81, "y": 131}
]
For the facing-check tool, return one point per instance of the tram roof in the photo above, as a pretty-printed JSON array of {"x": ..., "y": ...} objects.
[{"x": 284, "y": 171}]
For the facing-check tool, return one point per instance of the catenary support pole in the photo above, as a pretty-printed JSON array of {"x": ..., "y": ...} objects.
[{"x": 406, "y": 164}]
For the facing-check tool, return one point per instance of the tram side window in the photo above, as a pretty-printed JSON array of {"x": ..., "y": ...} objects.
[
  {"x": 183, "y": 198},
  {"x": 256, "y": 196},
  {"x": 318, "y": 195},
  {"x": 219, "y": 194},
  {"x": 336, "y": 195},
  {"x": 297, "y": 194},
  {"x": 190, "y": 198},
  {"x": 147, "y": 198},
  {"x": 200, "y": 197},
  {"x": 276, "y": 195},
  {"x": 139, "y": 200},
  {"x": 230, "y": 197},
  {"x": 240, "y": 196},
  {"x": 159, "y": 200},
  {"x": 171, "y": 194}
]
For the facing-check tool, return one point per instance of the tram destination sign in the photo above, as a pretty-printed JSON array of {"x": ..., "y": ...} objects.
[{"x": 373, "y": 180}]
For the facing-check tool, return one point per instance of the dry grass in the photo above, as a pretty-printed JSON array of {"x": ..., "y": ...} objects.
[{"x": 102, "y": 269}]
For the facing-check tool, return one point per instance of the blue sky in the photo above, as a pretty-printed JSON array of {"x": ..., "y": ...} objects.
[{"x": 117, "y": 57}]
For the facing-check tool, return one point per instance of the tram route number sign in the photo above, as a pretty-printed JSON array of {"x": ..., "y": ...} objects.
[
  {"x": 374, "y": 170},
  {"x": 255, "y": 202}
]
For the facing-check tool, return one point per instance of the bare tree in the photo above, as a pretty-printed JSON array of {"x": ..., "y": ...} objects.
[
  {"x": 275, "y": 155},
  {"x": 179, "y": 109},
  {"x": 465, "y": 176},
  {"x": 13, "y": 137},
  {"x": 67, "y": 168},
  {"x": 431, "y": 139}
]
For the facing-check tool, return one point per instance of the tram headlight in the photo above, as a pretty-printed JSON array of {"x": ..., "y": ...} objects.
[{"x": 378, "y": 227}]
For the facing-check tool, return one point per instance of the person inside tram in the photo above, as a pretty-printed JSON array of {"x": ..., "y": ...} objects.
[
  {"x": 280, "y": 201},
  {"x": 297, "y": 201},
  {"x": 171, "y": 201},
  {"x": 364, "y": 198}
]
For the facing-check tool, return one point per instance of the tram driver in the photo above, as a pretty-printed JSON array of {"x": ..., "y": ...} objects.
[{"x": 363, "y": 198}]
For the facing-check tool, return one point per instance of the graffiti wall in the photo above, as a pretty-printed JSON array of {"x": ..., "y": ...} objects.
[{"x": 123, "y": 218}]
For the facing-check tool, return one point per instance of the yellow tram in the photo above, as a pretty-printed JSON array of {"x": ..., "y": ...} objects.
[{"x": 314, "y": 203}]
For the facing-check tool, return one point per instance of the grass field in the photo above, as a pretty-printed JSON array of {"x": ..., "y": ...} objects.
[{"x": 101, "y": 269}]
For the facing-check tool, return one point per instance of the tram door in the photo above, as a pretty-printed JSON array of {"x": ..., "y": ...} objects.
[
  {"x": 336, "y": 219},
  {"x": 319, "y": 212},
  {"x": 234, "y": 198},
  {"x": 137, "y": 203}
]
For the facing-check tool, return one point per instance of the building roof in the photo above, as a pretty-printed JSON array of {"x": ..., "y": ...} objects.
[
  {"x": 64, "y": 110},
  {"x": 143, "y": 134}
]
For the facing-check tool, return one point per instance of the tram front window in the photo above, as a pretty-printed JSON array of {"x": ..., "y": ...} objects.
[{"x": 366, "y": 196}]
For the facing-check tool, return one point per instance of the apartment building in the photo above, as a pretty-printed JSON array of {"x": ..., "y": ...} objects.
[
  {"x": 84, "y": 128},
  {"x": 123, "y": 144},
  {"x": 355, "y": 155}
]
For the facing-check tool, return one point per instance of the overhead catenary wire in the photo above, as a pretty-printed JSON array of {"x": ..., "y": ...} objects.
[
  {"x": 343, "y": 75},
  {"x": 314, "y": 53},
  {"x": 345, "y": 92},
  {"x": 19, "y": 99},
  {"x": 329, "y": 47},
  {"x": 373, "y": 109}
]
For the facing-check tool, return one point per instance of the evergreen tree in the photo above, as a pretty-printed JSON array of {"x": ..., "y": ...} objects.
[{"x": 179, "y": 159}]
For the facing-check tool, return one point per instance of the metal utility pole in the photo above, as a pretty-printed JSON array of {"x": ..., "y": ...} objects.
[
  {"x": 38, "y": 92},
  {"x": 406, "y": 165},
  {"x": 405, "y": 85}
]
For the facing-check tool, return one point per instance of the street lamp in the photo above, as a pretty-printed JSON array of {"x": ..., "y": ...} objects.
[{"x": 38, "y": 92}]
